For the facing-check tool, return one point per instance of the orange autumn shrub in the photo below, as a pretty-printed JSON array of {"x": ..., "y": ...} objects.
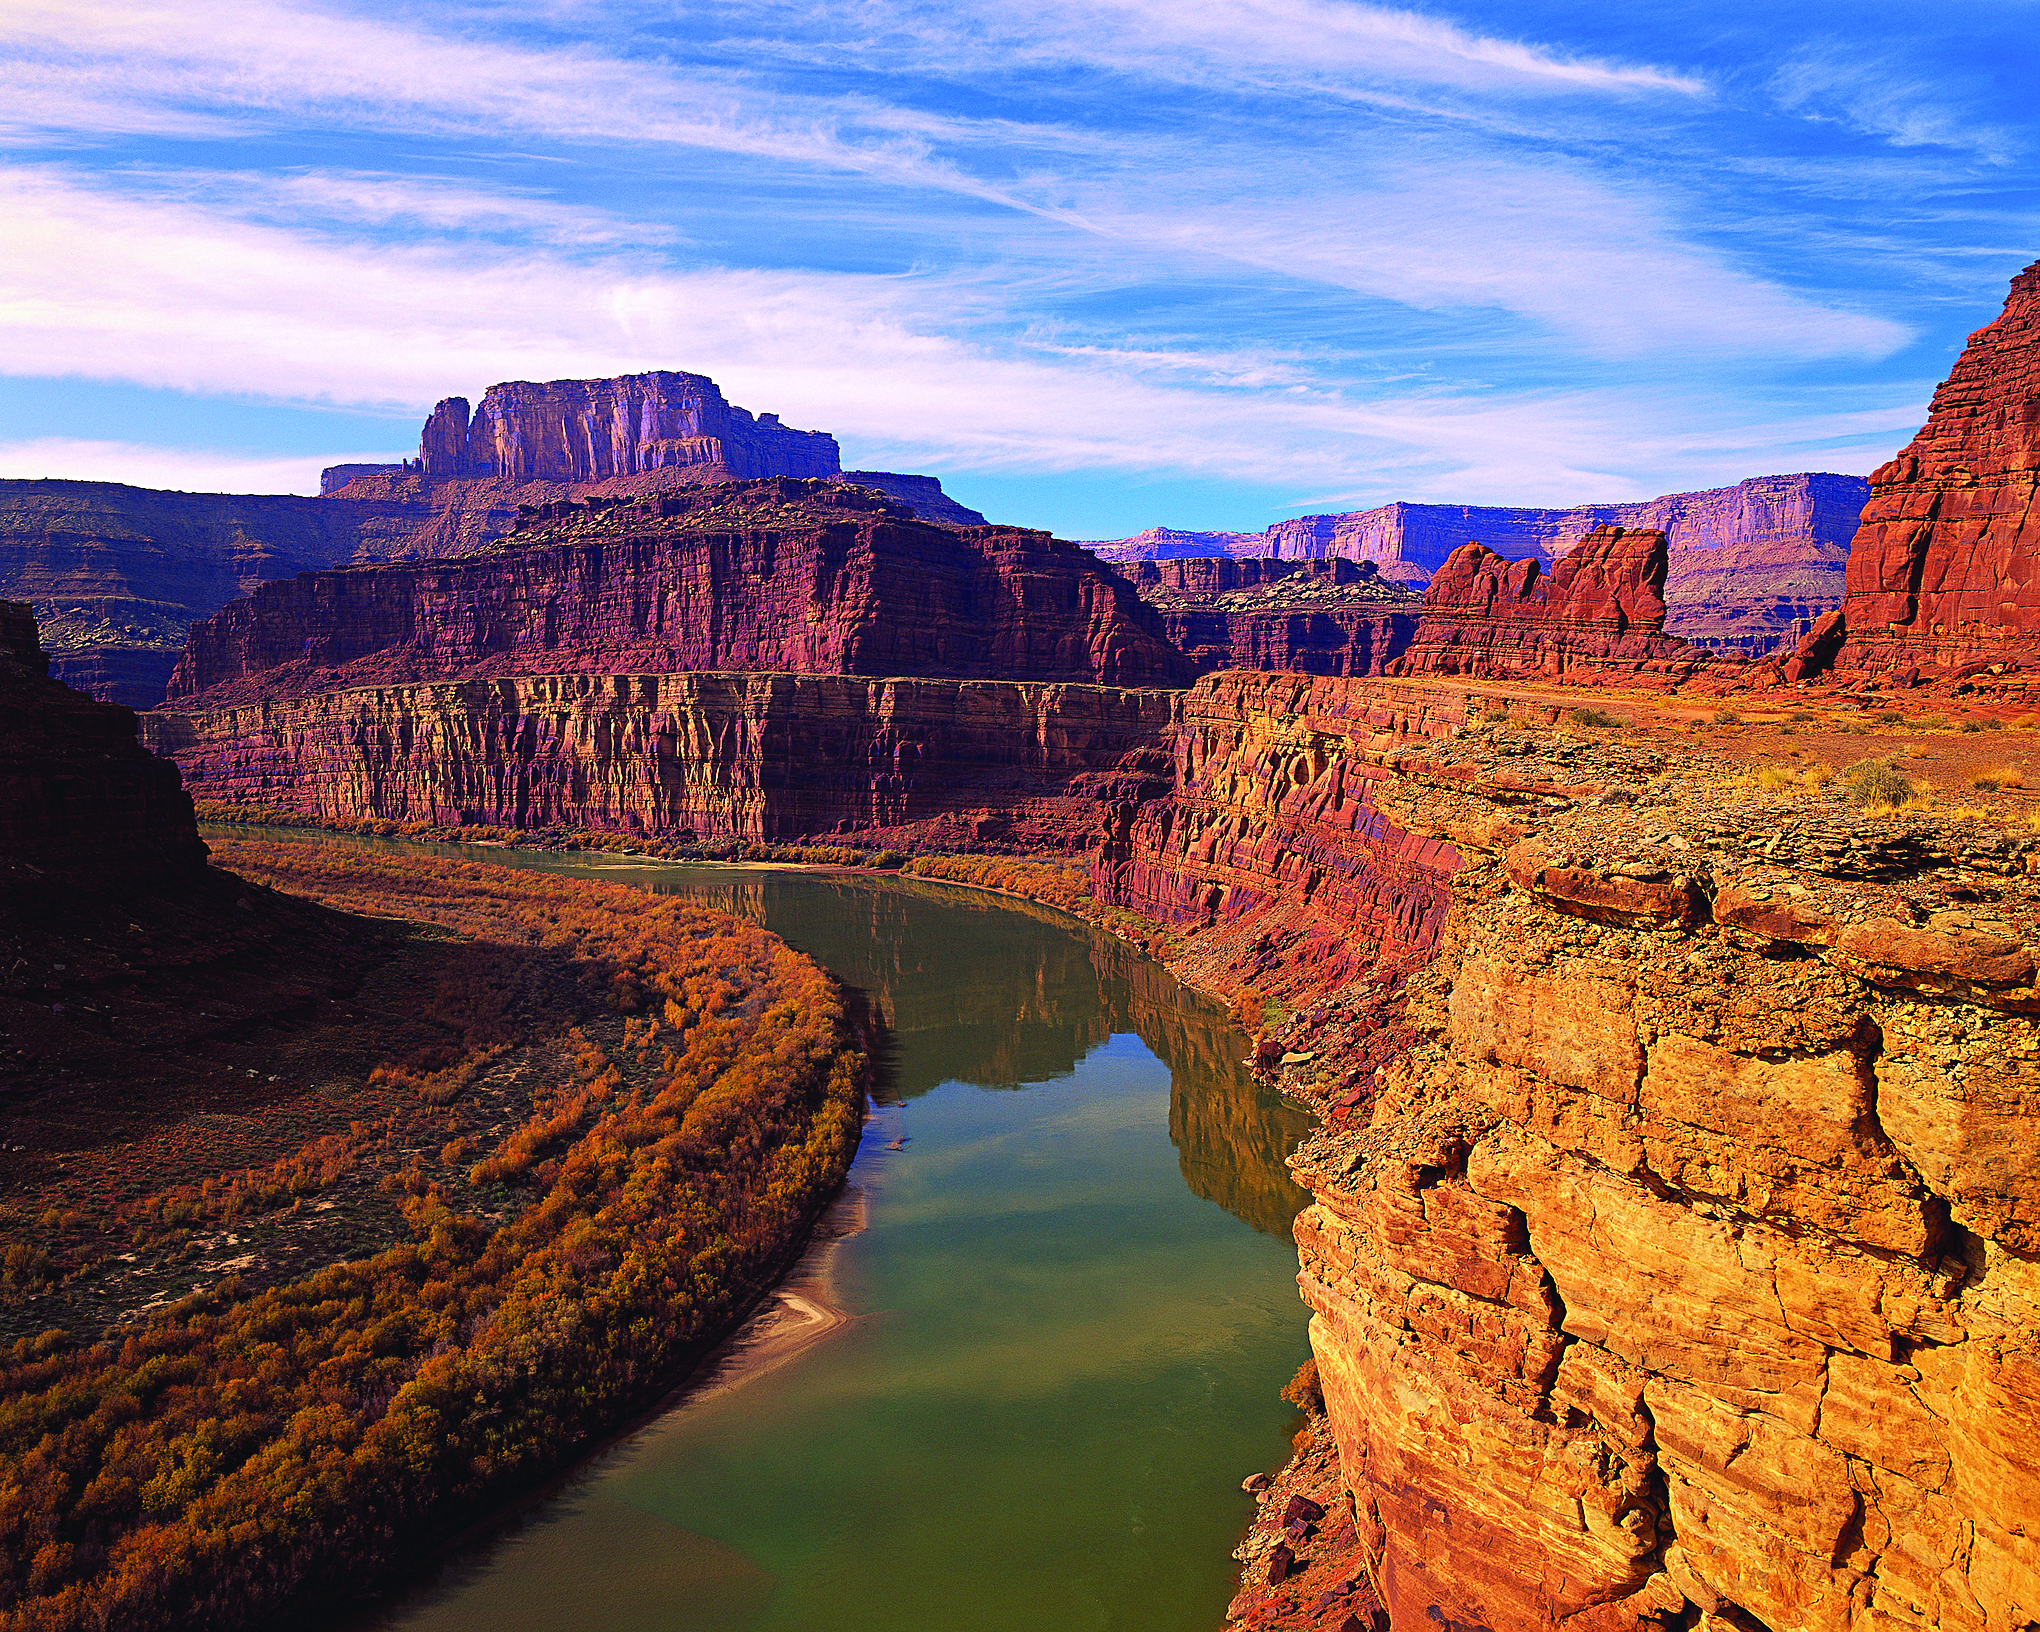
[
  {"x": 242, "y": 1454},
  {"x": 1044, "y": 881}
]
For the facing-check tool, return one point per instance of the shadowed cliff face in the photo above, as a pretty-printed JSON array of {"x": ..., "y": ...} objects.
[
  {"x": 1673, "y": 1262},
  {"x": 83, "y": 808},
  {"x": 118, "y": 575},
  {"x": 1945, "y": 569},
  {"x": 802, "y": 577}
]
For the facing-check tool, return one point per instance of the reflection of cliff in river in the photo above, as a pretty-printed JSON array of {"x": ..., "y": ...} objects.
[
  {"x": 994, "y": 1001},
  {"x": 1000, "y": 992}
]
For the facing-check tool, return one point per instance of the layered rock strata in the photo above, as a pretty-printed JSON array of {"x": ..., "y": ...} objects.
[
  {"x": 974, "y": 764},
  {"x": 117, "y": 575},
  {"x": 1601, "y": 611},
  {"x": 1312, "y": 617},
  {"x": 1750, "y": 564},
  {"x": 1271, "y": 848},
  {"x": 1945, "y": 568},
  {"x": 584, "y": 430},
  {"x": 1680, "y": 1271},
  {"x": 83, "y": 809},
  {"x": 805, "y": 577}
]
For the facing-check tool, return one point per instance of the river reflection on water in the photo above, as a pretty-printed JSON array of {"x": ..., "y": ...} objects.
[{"x": 1069, "y": 1313}]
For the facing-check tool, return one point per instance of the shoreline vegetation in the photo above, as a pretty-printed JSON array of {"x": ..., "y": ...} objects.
[
  {"x": 252, "y": 1447},
  {"x": 1062, "y": 883}
]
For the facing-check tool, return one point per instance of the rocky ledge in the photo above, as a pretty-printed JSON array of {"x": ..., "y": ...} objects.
[
  {"x": 1675, "y": 1210},
  {"x": 1600, "y": 612}
]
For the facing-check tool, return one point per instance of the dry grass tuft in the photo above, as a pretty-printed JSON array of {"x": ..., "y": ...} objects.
[
  {"x": 1996, "y": 778},
  {"x": 1878, "y": 783}
]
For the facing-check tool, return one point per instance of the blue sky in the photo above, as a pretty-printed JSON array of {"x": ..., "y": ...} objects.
[{"x": 1099, "y": 267}]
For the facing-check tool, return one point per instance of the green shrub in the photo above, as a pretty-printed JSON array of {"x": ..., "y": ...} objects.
[
  {"x": 1594, "y": 717},
  {"x": 1878, "y": 782}
]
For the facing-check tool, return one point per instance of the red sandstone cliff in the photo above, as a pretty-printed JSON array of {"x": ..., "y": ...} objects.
[
  {"x": 1600, "y": 610},
  {"x": 806, "y": 577},
  {"x": 584, "y": 430},
  {"x": 1945, "y": 568},
  {"x": 961, "y": 764},
  {"x": 1311, "y": 617},
  {"x": 1672, "y": 1252},
  {"x": 83, "y": 809}
]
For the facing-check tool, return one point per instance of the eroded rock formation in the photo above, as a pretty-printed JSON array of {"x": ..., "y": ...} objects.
[
  {"x": 118, "y": 575},
  {"x": 1600, "y": 610},
  {"x": 585, "y": 430},
  {"x": 1750, "y": 564},
  {"x": 83, "y": 809},
  {"x": 1311, "y": 617},
  {"x": 1681, "y": 1271},
  {"x": 806, "y": 577},
  {"x": 1945, "y": 569},
  {"x": 969, "y": 764}
]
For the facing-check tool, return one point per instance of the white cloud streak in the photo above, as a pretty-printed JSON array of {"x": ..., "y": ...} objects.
[
  {"x": 168, "y": 293},
  {"x": 187, "y": 470}
]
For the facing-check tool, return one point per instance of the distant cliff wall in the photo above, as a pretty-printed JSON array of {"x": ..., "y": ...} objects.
[
  {"x": 1749, "y": 564},
  {"x": 1313, "y": 617},
  {"x": 763, "y": 756},
  {"x": 117, "y": 575},
  {"x": 806, "y": 577}
]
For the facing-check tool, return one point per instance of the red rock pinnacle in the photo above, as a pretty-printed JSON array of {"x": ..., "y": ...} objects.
[{"x": 1945, "y": 567}]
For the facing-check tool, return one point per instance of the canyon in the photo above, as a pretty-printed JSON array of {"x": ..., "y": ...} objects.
[
  {"x": 1673, "y": 1216},
  {"x": 1671, "y": 1243},
  {"x": 1749, "y": 564}
]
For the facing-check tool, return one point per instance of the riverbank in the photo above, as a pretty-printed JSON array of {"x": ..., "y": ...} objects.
[{"x": 547, "y": 1271}]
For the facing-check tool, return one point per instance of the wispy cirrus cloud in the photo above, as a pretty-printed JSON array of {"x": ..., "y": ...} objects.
[
  {"x": 1363, "y": 247},
  {"x": 1880, "y": 93},
  {"x": 172, "y": 293}
]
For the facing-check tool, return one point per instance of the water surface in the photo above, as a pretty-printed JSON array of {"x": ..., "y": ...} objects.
[{"x": 1069, "y": 1312}]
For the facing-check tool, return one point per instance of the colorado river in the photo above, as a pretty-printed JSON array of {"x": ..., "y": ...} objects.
[{"x": 1020, "y": 1390}]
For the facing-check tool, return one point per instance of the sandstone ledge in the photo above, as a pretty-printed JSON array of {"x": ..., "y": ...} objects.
[{"x": 1679, "y": 1191}]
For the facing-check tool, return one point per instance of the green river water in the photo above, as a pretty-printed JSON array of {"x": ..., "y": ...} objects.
[{"x": 1069, "y": 1309}]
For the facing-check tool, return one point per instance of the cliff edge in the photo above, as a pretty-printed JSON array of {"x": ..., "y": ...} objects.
[{"x": 1671, "y": 1258}]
